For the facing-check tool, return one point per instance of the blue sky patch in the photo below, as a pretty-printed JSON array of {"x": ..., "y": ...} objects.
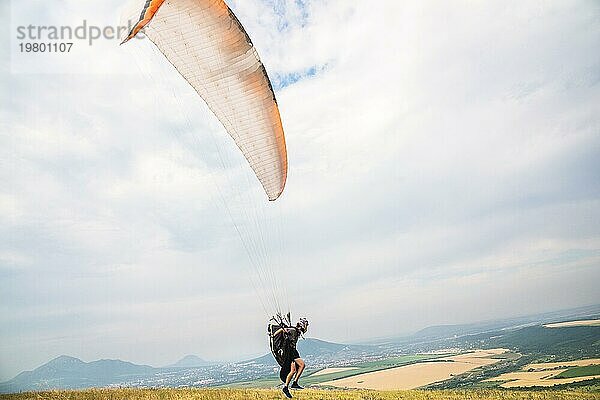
[
  {"x": 280, "y": 8},
  {"x": 281, "y": 81}
]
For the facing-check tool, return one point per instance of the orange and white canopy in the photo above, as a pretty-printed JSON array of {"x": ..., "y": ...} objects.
[{"x": 207, "y": 44}]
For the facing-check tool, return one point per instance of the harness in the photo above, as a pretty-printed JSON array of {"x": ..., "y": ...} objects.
[{"x": 278, "y": 342}]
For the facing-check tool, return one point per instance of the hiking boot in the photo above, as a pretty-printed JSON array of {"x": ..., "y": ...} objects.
[
  {"x": 296, "y": 386},
  {"x": 286, "y": 391}
]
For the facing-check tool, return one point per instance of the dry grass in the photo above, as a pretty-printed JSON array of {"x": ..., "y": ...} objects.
[
  {"x": 264, "y": 394},
  {"x": 577, "y": 363}
]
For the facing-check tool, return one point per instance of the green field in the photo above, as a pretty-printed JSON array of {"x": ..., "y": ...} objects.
[
  {"x": 575, "y": 372},
  {"x": 361, "y": 368},
  {"x": 265, "y": 394}
]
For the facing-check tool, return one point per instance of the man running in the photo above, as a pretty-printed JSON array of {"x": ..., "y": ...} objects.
[{"x": 292, "y": 360}]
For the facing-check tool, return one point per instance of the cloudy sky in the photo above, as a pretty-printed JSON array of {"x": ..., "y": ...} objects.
[{"x": 444, "y": 168}]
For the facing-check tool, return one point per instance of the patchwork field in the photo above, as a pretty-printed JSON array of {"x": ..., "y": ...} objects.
[
  {"x": 328, "y": 371},
  {"x": 416, "y": 375},
  {"x": 561, "y": 364},
  {"x": 585, "y": 322},
  {"x": 551, "y": 374},
  {"x": 264, "y": 394},
  {"x": 312, "y": 378}
]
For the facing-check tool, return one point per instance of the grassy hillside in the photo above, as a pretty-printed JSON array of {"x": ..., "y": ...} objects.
[
  {"x": 264, "y": 394},
  {"x": 569, "y": 343}
]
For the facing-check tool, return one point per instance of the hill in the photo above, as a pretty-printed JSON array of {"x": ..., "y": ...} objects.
[
  {"x": 318, "y": 352},
  {"x": 440, "y": 332},
  {"x": 191, "y": 361},
  {"x": 66, "y": 372},
  {"x": 566, "y": 343},
  {"x": 534, "y": 343},
  {"x": 72, "y": 373}
]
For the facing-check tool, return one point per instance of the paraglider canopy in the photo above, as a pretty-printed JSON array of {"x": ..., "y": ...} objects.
[{"x": 207, "y": 44}]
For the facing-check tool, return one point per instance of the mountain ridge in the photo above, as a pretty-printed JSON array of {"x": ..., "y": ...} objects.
[
  {"x": 67, "y": 372},
  {"x": 190, "y": 361}
]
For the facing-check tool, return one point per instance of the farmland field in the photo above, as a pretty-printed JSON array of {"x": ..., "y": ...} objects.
[
  {"x": 420, "y": 374},
  {"x": 271, "y": 394},
  {"x": 585, "y": 322},
  {"x": 329, "y": 371},
  {"x": 551, "y": 374},
  {"x": 316, "y": 377},
  {"x": 562, "y": 364}
]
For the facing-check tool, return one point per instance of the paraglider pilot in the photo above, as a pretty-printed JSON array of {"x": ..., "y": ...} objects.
[{"x": 293, "y": 365}]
